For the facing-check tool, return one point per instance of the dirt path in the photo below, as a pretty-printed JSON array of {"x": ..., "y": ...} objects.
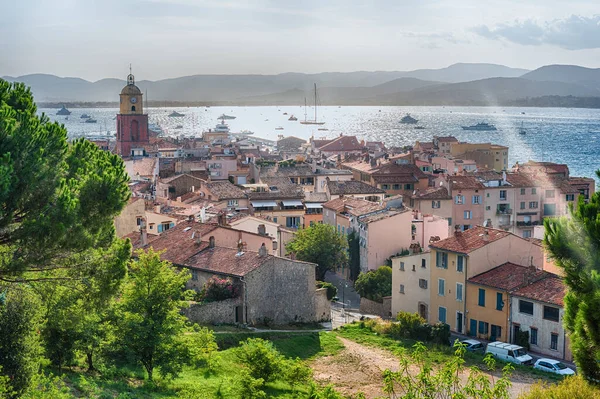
[{"x": 358, "y": 368}]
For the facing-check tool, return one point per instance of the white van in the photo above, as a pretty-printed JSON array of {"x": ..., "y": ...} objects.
[{"x": 509, "y": 352}]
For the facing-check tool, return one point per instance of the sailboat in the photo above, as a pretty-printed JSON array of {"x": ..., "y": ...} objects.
[
  {"x": 315, "y": 121},
  {"x": 522, "y": 129}
]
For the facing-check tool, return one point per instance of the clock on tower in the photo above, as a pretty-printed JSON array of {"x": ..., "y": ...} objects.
[{"x": 132, "y": 123}]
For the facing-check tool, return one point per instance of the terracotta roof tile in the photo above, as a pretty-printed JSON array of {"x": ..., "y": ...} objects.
[
  {"x": 465, "y": 183},
  {"x": 447, "y": 139},
  {"x": 550, "y": 290},
  {"x": 434, "y": 193},
  {"x": 227, "y": 261},
  {"x": 143, "y": 166},
  {"x": 508, "y": 277},
  {"x": 352, "y": 206},
  {"x": 352, "y": 187},
  {"x": 469, "y": 240},
  {"x": 225, "y": 190},
  {"x": 342, "y": 143}
]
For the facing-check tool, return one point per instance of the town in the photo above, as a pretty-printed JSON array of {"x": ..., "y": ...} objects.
[{"x": 461, "y": 228}]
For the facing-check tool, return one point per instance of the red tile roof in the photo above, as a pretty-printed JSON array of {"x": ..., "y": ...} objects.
[
  {"x": 227, "y": 261},
  {"x": 434, "y": 193},
  {"x": 353, "y": 206},
  {"x": 508, "y": 277},
  {"x": 470, "y": 240},
  {"x": 342, "y": 143},
  {"x": 352, "y": 187},
  {"x": 447, "y": 139},
  {"x": 550, "y": 290},
  {"x": 465, "y": 183}
]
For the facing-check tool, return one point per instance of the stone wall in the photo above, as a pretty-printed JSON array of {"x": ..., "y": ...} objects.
[
  {"x": 322, "y": 305},
  {"x": 126, "y": 222},
  {"x": 382, "y": 310},
  {"x": 221, "y": 312},
  {"x": 281, "y": 291}
]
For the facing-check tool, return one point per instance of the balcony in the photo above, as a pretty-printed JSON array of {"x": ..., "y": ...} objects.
[
  {"x": 504, "y": 211},
  {"x": 521, "y": 223}
]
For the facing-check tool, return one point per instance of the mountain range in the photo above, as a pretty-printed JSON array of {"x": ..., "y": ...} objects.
[{"x": 458, "y": 84}]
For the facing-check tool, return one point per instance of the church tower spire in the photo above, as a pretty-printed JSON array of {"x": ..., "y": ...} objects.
[{"x": 132, "y": 123}]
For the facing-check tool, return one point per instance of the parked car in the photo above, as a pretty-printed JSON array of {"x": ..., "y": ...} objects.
[
  {"x": 473, "y": 345},
  {"x": 553, "y": 366},
  {"x": 509, "y": 353}
]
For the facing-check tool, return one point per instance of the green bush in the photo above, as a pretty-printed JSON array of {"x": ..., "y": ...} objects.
[
  {"x": 522, "y": 339},
  {"x": 296, "y": 373},
  {"x": 252, "y": 388},
  {"x": 440, "y": 334},
  {"x": 375, "y": 284},
  {"x": 331, "y": 289},
  {"x": 570, "y": 388},
  {"x": 261, "y": 359},
  {"x": 410, "y": 324}
]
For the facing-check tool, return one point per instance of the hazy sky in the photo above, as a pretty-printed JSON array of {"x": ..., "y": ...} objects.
[{"x": 94, "y": 39}]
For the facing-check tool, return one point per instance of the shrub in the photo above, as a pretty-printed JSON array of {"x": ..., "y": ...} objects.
[
  {"x": 297, "y": 373},
  {"x": 522, "y": 339},
  {"x": 570, "y": 388},
  {"x": 261, "y": 359},
  {"x": 409, "y": 324},
  {"x": 375, "y": 284},
  {"x": 252, "y": 387},
  {"x": 440, "y": 334},
  {"x": 218, "y": 289},
  {"x": 331, "y": 289}
]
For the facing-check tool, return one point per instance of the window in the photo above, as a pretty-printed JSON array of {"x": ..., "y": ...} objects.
[
  {"x": 274, "y": 220},
  {"x": 441, "y": 259},
  {"x": 139, "y": 220},
  {"x": 442, "y": 314},
  {"x": 414, "y": 268},
  {"x": 487, "y": 195},
  {"x": 483, "y": 327},
  {"x": 522, "y": 191},
  {"x": 467, "y": 214},
  {"x": 499, "y": 301},
  {"x": 487, "y": 208},
  {"x": 408, "y": 186},
  {"x": 476, "y": 199},
  {"x": 233, "y": 202},
  {"x": 459, "y": 292},
  {"x": 294, "y": 222},
  {"x": 533, "y": 205},
  {"x": 194, "y": 275},
  {"x": 526, "y": 307},
  {"x": 554, "y": 341},
  {"x": 496, "y": 332},
  {"x": 459, "y": 199},
  {"x": 435, "y": 204},
  {"x": 441, "y": 286},
  {"x": 526, "y": 233},
  {"x": 402, "y": 266},
  {"x": 534, "y": 191},
  {"x": 503, "y": 195},
  {"x": 402, "y": 288},
  {"x": 549, "y": 209},
  {"x": 423, "y": 263},
  {"x": 549, "y": 193},
  {"x": 423, "y": 283},
  {"x": 522, "y": 204},
  {"x": 385, "y": 186},
  {"x": 550, "y": 313},
  {"x": 533, "y": 336},
  {"x": 460, "y": 260},
  {"x": 481, "y": 301},
  {"x": 449, "y": 221},
  {"x": 570, "y": 197},
  {"x": 396, "y": 187}
]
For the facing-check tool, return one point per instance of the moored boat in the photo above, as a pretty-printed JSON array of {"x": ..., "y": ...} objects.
[
  {"x": 63, "y": 111},
  {"x": 228, "y": 117},
  {"x": 409, "y": 120},
  {"x": 292, "y": 118},
  {"x": 176, "y": 114},
  {"x": 482, "y": 127}
]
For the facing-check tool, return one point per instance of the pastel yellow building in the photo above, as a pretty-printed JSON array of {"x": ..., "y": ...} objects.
[
  {"x": 465, "y": 255},
  {"x": 486, "y": 155}
]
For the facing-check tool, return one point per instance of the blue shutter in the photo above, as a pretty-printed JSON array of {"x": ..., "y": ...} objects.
[
  {"x": 499, "y": 301},
  {"x": 473, "y": 328},
  {"x": 481, "y": 297},
  {"x": 459, "y": 263},
  {"x": 442, "y": 314},
  {"x": 160, "y": 228},
  {"x": 171, "y": 225}
]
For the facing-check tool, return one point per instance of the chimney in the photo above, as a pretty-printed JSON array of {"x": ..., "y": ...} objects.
[
  {"x": 457, "y": 229},
  {"x": 157, "y": 208},
  {"x": 191, "y": 218},
  {"x": 240, "y": 247},
  {"x": 197, "y": 237},
  {"x": 193, "y": 189},
  {"x": 211, "y": 242},
  {"x": 486, "y": 236},
  {"x": 262, "y": 230},
  {"x": 143, "y": 233},
  {"x": 262, "y": 251},
  {"x": 503, "y": 177}
]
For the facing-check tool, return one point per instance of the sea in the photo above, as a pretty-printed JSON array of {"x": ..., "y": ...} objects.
[{"x": 562, "y": 135}]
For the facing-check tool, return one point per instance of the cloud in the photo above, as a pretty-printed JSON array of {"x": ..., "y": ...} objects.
[{"x": 573, "y": 33}]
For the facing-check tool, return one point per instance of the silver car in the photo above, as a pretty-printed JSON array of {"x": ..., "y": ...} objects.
[
  {"x": 553, "y": 366},
  {"x": 473, "y": 345}
]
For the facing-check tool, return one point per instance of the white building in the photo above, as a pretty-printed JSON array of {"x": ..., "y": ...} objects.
[{"x": 411, "y": 275}]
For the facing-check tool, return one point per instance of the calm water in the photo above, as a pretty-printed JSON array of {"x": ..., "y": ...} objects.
[{"x": 561, "y": 135}]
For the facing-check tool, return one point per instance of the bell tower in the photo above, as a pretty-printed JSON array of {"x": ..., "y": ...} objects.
[{"x": 132, "y": 123}]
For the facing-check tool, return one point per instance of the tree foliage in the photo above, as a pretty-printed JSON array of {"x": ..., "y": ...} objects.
[
  {"x": 574, "y": 244},
  {"x": 320, "y": 244},
  {"x": 58, "y": 199},
  {"x": 353, "y": 255},
  {"x": 375, "y": 284},
  {"x": 261, "y": 359},
  {"x": 149, "y": 324}
]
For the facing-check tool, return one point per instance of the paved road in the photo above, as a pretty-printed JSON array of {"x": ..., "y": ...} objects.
[{"x": 345, "y": 288}]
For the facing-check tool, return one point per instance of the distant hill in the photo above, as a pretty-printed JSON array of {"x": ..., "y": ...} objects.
[
  {"x": 566, "y": 73},
  {"x": 50, "y": 88}
]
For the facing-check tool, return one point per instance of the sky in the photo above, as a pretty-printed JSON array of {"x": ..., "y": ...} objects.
[{"x": 95, "y": 39}]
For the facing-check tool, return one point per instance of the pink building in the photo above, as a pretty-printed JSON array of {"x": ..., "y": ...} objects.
[{"x": 468, "y": 198}]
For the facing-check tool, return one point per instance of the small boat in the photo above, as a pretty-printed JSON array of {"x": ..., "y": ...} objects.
[
  {"x": 63, "y": 111},
  {"x": 285, "y": 113},
  {"x": 408, "y": 120},
  {"x": 523, "y": 113},
  {"x": 226, "y": 117},
  {"x": 522, "y": 130},
  {"x": 179, "y": 127},
  {"x": 85, "y": 116},
  {"x": 419, "y": 127},
  {"x": 91, "y": 120},
  {"x": 246, "y": 132},
  {"x": 279, "y": 128},
  {"x": 266, "y": 120},
  {"x": 323, "y": 129},
  {"x": 292, "y": 118},
  {"x": 314, "y": 121},
  {"x": 175, "y": 114},
  {"x": 482, "y": 126}
]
